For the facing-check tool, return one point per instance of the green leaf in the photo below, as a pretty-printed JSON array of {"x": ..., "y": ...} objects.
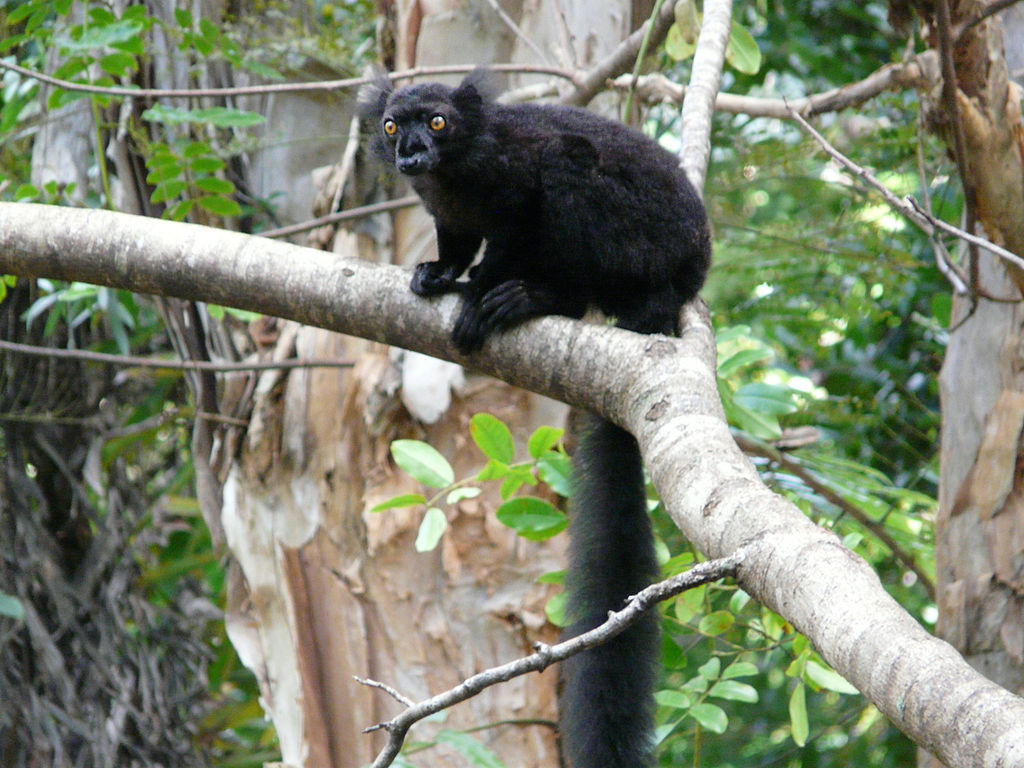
[
  {"x": 117, "y": 64},
  {"x": 676, "y": 44},
  {"x": 184, "y": 18},
  {"x": 220, "y": 206},
  {"x": 423, "y": 462},
  {"x": 11, "y": 607},
  {"x": 798, "y": 715},
  {"x": 493, "y": 470},
  {"x": 742, "y": 52},
  {"x": 225, "y": 117},
  {"x": 765, "y": 398},
  {"x": 743, "y": 359},
  {"x": 102, "y": 35},
  {"x": 757, "y": 424},
  {"x": 215, "y": 186},
  {"x": 179, "y": 210},
  {"x": 405, "y": 500},
  {"x": 710, "y": 669},
  {"x": 712, "y": 718},
  {"x": 458, "y": 494},
  {"x": 205, "y": 164},
  {"x": 555, "y": 469},
  {"x": 543, "y": 440},
  {"x": 470, "y": 748},
  {"x": 739, "y": 669},
  {"x": 554, "y": 609},
  {"x": 734, "y": 691},
  {"x": 431, "y": 529},
  {"x": 716, "y": 623},
  {"x": 26, "y": 192},
  {"x": 673, "y": 699},
  {"x": 532, "y": 518},
  {"x": 827, "y": 678},
  {"x": 221, "y": 117},
  {"x": 492, "y": 437}
]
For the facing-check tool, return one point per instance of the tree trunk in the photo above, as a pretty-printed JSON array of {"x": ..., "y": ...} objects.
[{"x": 980, "y": 527}]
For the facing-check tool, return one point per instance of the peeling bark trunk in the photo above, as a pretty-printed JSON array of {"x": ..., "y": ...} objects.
[
  {"x": 326, "y": 590},
  {"x": 980, "y": 526}
]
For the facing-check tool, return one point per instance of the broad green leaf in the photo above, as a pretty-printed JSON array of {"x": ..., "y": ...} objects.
[
  {"x": 11, "y": 607},
  {"x": 676, "y": 44},
  {"x": 798, "y": 715},
  {"x": 673, "y": 699},
  {"x": 221, "y": 206},
  {"x": 117, "y": 64},
  {"x": 405, "y": 500},
  {"x": 100, "y": 36},
  {"x": 711, "y": 668},
  {"x": 532, "y": 518},
  {"x": 734, "y": 691},
  {"x": 828, "y": 678},
  {"x": 712, "y": 718},
  {"x": 552, "y": 577},
  {"x": 554, "y": 609},
  {"x": 765, "y": 398},
  {"x": 739, "y": 669},
  {"x": 215, "y": 186},
  {"x": 743, "y": 359},
  {"x": 225, "y": 117},
  {"x": 492, "y": 437},
  {"x": 555, "y": 469},
  {"x": 543, "y": 440},
  {"x": 458, "y": 494},
  {"x": 716, "y": 623},
  {"x": 742, "y": 51},
  {"x": 431, "y": 529},
  {"x": 493, "y": 470},
  {"x": 205, "y": 164},
  {"x": 423, "y": 462}
]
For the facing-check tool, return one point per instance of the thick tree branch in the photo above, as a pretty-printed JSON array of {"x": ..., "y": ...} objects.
[{"x": 662, "y": 389}]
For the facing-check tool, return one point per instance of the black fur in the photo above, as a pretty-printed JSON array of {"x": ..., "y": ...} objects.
[{"x": 576, "y": 211}]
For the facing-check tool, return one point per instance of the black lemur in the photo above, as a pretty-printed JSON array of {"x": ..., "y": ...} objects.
[{"x": 577, "y": 211}]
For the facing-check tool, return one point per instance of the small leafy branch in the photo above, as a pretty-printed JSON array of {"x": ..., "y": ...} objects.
[{"x": 531, "y": 517}]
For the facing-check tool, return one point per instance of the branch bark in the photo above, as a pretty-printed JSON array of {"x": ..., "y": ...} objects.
[{"x": 661, "y": 389}]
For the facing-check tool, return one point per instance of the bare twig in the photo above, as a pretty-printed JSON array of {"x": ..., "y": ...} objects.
[
  {"x": 511, "y": 24},
  {"x": 403, "y": 700},
  {"x": 252, "y": 90},
  {"x": 175, "y": 365},
  {"x": 546, "y": 655},
  {"x": 352, "y": 213}
]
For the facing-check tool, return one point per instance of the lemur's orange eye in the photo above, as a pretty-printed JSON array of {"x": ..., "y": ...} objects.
[
  {"x": 390, "y": 127},
  {"x": 437, "y": 122}
]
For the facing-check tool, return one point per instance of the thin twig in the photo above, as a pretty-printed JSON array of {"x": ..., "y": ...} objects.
[
  {"x": 175, "y": 365},
  {"x": 401, "y": 699},
  {"x": 546, "y": 655},
  {"x": 907, "y": 206},
  {"x": 511, "y": 24},
  {"x": 351, "y": 213},
  {"x": 253, "y": 90}
]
